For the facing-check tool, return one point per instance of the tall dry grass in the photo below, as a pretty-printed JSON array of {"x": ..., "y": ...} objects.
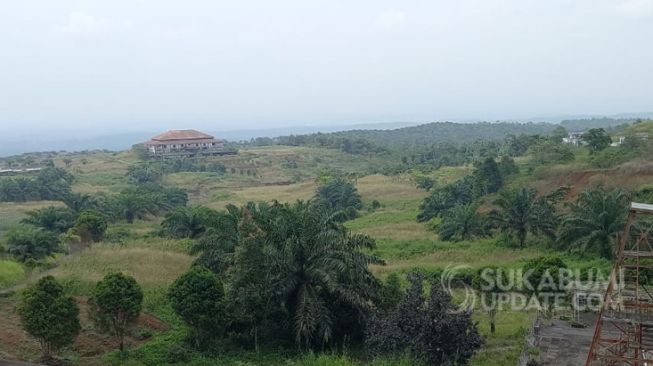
[{"x": 151, "y": 267}]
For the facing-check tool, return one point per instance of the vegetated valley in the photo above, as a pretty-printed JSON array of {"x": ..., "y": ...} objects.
[{"x": 321, "y": 249}]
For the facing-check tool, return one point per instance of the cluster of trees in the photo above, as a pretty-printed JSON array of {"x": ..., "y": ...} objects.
[
  {"x": 152, "y": 171},
  {"x": 85, "y": 218},
  {"x": 51, "y": 316},
  {"x": 339, "y": 195},
  {"x": 282, "y": 274},
  {"x": 415, "y": 136},
  {"x": 46, "y": 231},
  {"x": 587, "y": 225},
  {"x": 51, "y": 183},
  {"x": 333, "y": 141},
  {"x": 487, "y": 177}
]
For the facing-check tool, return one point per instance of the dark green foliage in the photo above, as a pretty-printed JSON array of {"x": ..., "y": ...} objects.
[
  {"x": 294, "y": 269},
  {"x": 559, "y": 133},
  {"x": 427, "y": 327},
  {"x": 49, "y": 315},
  {"x": 80, "y": 202},
  {"x": 152, "y": 171},
  {"x": 549, "y": 151},
  {"x": 339, "y": 195},
  {"x": 507, "y": 167},
  {"x": 90, "y": 226},
  {"x": 422, "y": 135},
  {"x": 644, "y": 195},
  {"x": 115, "y": 304},
  {"x": 250, "y": 293},
  {"x": 487, "y": 177},
  {"x": 442, "y": 199},
  {"x": 424, "y": 182},
  {"x": 188, "y": 222},
  {"x": 144, "y": 173},
  {"x": 55, "y": 219},
  {"x": 319, "y": 272},
  {"x": 596, "y": 139},
  {"x": 461, "y": 223},
  {"x": 218, "y": 243},
  {"x": 390, "y": 293},
  {"x": 51, "y": 183},
  {"x": 594, "y": 220},
  {"x": 521, "y": 211},
  {"x": 145, "y": 200},
  {"x": 613, "y": 156},
  {"x": 198, "y": 298},
  {"x": 26, "y": 242}
]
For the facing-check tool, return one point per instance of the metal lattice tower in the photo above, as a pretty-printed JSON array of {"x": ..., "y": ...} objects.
[{"x": 624, "y": 328}]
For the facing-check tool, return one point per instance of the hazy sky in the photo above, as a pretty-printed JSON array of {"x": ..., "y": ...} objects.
[{"x": 134, "y": 64}]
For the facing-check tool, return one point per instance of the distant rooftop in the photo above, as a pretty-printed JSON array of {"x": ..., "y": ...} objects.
[{"x": 174, "y": 135}]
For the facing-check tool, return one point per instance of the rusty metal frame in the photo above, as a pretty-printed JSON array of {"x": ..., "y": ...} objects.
[{"x": 624, "y": 328}]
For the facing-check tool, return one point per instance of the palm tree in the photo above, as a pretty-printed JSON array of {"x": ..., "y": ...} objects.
[
  {"x": 131, "y": 206},
  {"x": 78, "y": 202},
  {"x": 595, "y": 219},
  {"x": 56, "y": 219},
  {"x": 316, "y": 265},
  {"x": 188, "y": 222},
  {"x": 461, "y": 223},
  {"x": 521, "y": 212}
]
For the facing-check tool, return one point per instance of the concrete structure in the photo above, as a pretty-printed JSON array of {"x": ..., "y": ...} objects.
[
  {"x": 573, "y": 138},
  {"x": 184, "y": 142}
]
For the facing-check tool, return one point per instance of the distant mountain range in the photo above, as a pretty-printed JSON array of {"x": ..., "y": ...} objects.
[
  {"x": 78, "y": 141},
  {"x": 59, "y": 140}
]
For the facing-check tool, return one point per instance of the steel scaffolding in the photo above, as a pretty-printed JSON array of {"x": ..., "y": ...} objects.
[{"x": 624, "y": 328}]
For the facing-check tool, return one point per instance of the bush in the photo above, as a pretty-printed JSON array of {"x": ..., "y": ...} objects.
[
  {"x": 339, "y": 194},
  {"x": 428, "y": 328},
  {"x": 178, "y": 354},
  {"x": 90, "y": 226},
  {"x": 49, "y": 315},
  {"x": 198, "y": 298},
  {"x": 10, "y": 273},
  {"x": 28, "y": 242},
  {"x": 115, "y": 304}
]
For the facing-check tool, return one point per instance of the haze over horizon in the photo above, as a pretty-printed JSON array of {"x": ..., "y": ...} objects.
[{"x": 153, "y": 65}]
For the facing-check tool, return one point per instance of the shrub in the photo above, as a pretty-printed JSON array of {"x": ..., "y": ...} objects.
[
  {"x": 90, "y": 226},
  {"x": 198, "y": 298},
  {"x": 28, "y": 242},
  {"x": 49, "y": 315},
  {"x": 115, "y": 304},
  {"x": 427, "y": 327}
]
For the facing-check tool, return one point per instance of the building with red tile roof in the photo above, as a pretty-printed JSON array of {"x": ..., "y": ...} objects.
[{"x": 183, "y": 141}]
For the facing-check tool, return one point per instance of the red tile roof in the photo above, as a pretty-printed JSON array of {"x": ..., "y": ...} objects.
[{"x": 174, "y": 135}]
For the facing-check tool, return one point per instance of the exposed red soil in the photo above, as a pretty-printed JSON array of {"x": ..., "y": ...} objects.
[
  {"x": 16, "y": 344},
  {"x": 628, "y": 176}
]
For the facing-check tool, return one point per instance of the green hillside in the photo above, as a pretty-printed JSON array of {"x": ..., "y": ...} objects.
[{"x": 413, "y": 207}]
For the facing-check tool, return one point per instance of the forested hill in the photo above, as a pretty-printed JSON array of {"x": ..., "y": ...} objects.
[
  {"x": 587, "y": 123},
  {"x": 426, "y": 134}
]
